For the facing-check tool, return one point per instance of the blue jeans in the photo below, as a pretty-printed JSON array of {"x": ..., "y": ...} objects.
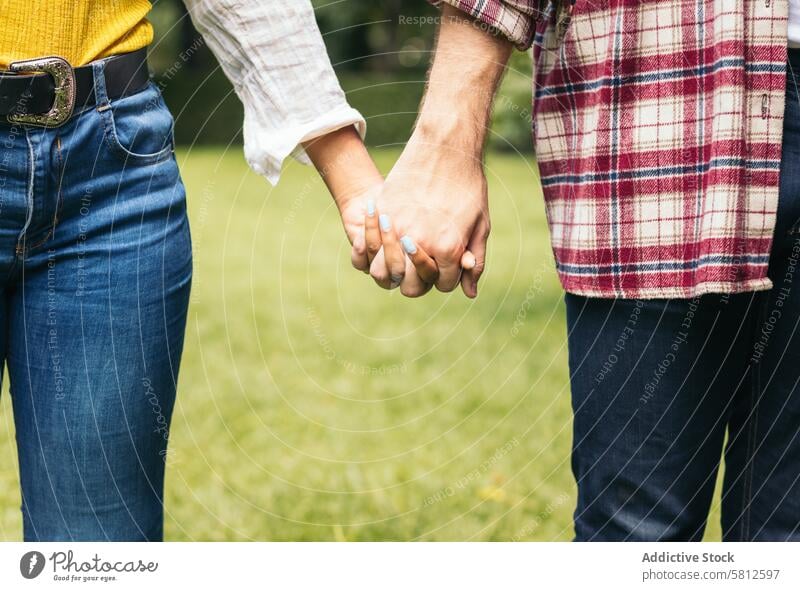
[
  {"x": 95, "y": 270},
  {"x": 658, "y": 384}
]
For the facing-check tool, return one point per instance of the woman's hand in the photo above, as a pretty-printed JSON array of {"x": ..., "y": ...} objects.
[
  {"x": 352, "y": 178},
  {"x": 353, "y": 210}
]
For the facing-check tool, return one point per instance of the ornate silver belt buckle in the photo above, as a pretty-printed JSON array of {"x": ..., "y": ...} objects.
[{"x": 64, "y": 90}]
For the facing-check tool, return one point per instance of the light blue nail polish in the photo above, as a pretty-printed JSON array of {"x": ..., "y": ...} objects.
[
  {"x": 385, "y": 223},
  {"x": 408, "y": 245},
  {"x": 371, "y": 207}
]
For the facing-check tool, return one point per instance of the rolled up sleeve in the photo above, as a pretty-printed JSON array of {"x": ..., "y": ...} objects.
[
  {"x": 515, "y": 19},
  {"x": 274, "y": 55}
]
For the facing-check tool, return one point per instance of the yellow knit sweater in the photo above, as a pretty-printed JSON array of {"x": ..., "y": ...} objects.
[{"x": 78, "y": 30}]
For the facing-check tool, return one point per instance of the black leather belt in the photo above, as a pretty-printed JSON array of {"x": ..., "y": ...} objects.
[{"x": 45, "y": 91}]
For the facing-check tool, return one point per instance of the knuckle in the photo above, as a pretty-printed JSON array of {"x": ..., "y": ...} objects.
[
  {"x": 445, "y": 256},
  {"x": 450, "y": 248},
  {"x": 445, "y": 287},
  {"x": 412, "y": 291},
  {"x": 379, "y": 275}
]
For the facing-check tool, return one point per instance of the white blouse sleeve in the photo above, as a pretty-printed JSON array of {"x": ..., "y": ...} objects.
[{"x": 273, "y": 54}]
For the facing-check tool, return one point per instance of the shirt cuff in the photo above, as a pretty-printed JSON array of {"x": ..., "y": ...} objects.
[
  {"x": 266, "y": 150},
  {"x": 511, "y": 18}
]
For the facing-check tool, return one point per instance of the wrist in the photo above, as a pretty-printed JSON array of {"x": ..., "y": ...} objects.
[
  {"x": 466, "y": 71},
  {"x": 444, "y": 130},
  {"x": 344, "y": 164}
]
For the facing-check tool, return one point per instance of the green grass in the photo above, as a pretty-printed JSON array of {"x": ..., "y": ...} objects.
[{"x": 314, "y": 406}]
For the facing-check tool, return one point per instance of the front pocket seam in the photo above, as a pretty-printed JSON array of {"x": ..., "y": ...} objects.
[{"x": 116, "y": 146}]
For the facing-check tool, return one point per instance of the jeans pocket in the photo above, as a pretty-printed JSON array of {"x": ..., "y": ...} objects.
[{"x": 139, "y": 129}]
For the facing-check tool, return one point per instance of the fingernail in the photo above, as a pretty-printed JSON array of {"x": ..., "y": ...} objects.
[
  {"x": 385, "y": 223},
  {"x": 371, "y": 208},
  {"x": 408, "y": 245}
]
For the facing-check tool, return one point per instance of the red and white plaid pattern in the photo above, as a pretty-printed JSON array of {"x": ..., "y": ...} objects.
[{"x": 658, "y": 128}]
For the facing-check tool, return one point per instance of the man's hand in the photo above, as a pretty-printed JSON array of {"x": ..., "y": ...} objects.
[
  {"x": 436, "y": 197},
  {"x": 437, "y": 200}
]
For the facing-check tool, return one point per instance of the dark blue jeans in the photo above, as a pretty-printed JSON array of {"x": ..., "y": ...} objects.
[
  {"x": 660, "y": 387},
  {"x": 95, "y": 269}
]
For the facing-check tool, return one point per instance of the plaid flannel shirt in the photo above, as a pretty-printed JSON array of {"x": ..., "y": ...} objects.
[{"x": 658, "y": 128}]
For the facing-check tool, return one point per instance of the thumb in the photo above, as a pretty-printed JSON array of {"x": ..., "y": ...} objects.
[
  {"x": 468, "y": 260},
  {"x": 358, "y": 254},
  {"x": 473, "y": 260}
]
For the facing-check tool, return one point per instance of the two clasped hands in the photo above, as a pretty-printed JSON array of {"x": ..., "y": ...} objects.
[{"x": 427, "y": 223}]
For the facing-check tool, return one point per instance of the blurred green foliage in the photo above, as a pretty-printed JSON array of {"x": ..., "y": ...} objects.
[
  {"x": 391, "y": 36},
  {"x": 389, "y": 103},
  {"x": 380, "y": 51}
]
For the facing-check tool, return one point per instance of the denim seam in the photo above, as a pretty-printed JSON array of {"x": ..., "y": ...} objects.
[
  {"x": 59, "y": 201},
  {"x": 42, "y": 241},
  {"x": 134, "y": 157},
  {"x": 61, "y": 166},
  {"x": 21, "y": 247},
  {"x": 111, "y": 137}
]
